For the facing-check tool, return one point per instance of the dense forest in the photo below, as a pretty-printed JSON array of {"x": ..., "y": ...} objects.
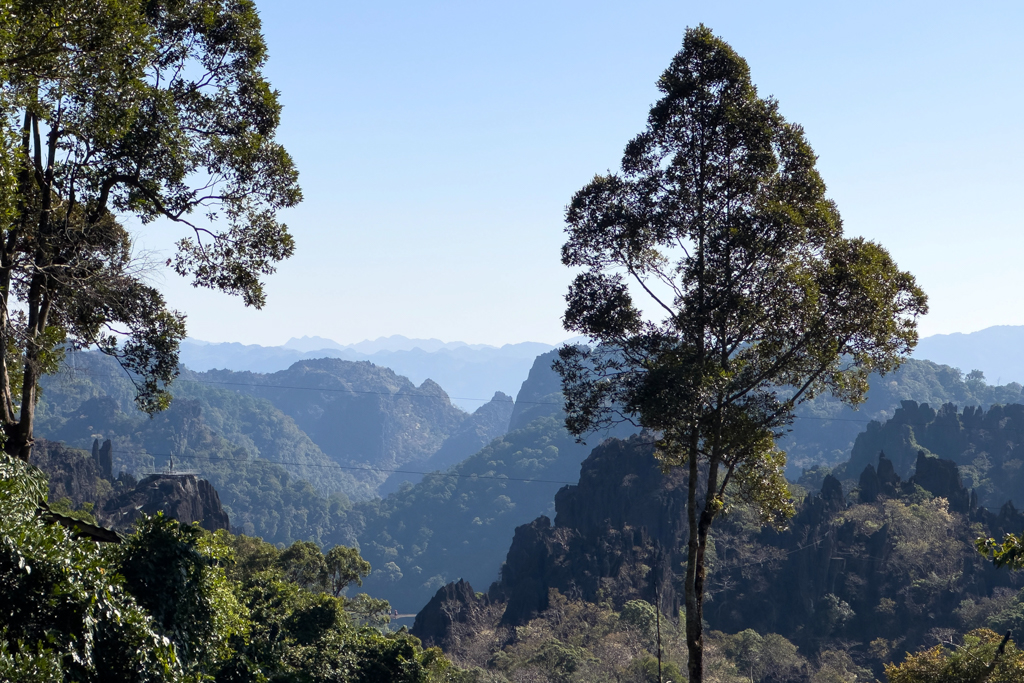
[
  {"x": 853, "y": 583},
  {"x": 173, "y": 602}
]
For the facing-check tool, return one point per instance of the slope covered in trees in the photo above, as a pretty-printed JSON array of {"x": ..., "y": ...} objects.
[
  {"x": 825, "y": 430},
  {"x": 855, "y": 582},
  {"x": 439, "y": 529},
  {"x": 338, "y": 424}
]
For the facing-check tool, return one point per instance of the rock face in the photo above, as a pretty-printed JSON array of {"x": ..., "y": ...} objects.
[
  {"x": 101, "y": 455},
  {"x": 826, "y": 574},
  {"x": 180, "y": 496},
  {"x": 72, "y": 473},
  {"x": 455, "y": 603},
  {"x": 540, "y": 395},
  {"x": 618, "y": 534},
  {"x": 936, "y": 476}
]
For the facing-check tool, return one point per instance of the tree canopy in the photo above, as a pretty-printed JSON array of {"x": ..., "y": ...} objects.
[
  {"x": 719, "y": 224},
  {"x": 111, "y": 109}
]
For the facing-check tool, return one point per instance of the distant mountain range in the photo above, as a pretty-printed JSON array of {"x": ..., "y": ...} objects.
[
  {"x": 470, "y": 373},
  {"x": 996, "y": 351}
]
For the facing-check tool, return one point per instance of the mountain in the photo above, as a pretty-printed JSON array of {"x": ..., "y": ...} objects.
[
  {"x": 365, "y": 418},
  {"x": 853, "y": 582},
  {"x": 986, "y": 445},
  {"x": 470, "y": 372},
  {"x": 287, "y": 452},
  {"x": 824, "y": 430},
  {"x": 460, "y": 522},
  {"x": 996, "y": 351},
  {"x": 490, "y": 421}
]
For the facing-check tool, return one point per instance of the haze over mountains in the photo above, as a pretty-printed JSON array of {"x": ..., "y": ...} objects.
[
  {"x": 997, "y": 351},
  {"x": 470, "y": 373}
]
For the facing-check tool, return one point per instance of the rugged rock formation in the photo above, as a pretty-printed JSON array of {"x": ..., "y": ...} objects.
[
  {"x": 73, "y": 474},
  {"x": 942, "y": 478},
  {"x": 103, "y": 459},
  {"x": 618, "y": 534},
  {"x": 455, "y": 603},
  {"x": 181, "y": 496},
  {"x": 936, "y": 476},
  {"x": 540, "y": 395},
  {"x": 832, "y": 576},
  {"x": 987, "y": 444}
]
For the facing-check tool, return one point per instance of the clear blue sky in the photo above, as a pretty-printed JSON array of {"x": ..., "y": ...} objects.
[{"x": 439, "y": 142}]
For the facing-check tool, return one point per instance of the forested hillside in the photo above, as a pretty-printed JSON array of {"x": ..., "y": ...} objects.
[
  {"x": 854, "y": 583},
  {"x": 986, "y": 445},
  {"x": 252, "y": 436},
  {"x": 824, "y": 430},
  {"x": 273, "y": 478}
]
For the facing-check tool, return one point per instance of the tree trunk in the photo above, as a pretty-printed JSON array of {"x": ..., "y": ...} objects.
[{"x": 694, "y": 569}]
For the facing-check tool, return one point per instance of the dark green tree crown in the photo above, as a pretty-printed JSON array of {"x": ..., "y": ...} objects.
[
  {"x": 753, "y": 299},
  {"x": 153, "y": 109}
]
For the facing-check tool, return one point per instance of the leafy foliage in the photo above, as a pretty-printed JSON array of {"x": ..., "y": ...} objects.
[
  {"x": 114, "y": 108},
  {"x": 176, "y": 603},
  {"x": 63, "y": 610},
  {"x": 1009, "y": 553},
  {"x": 984, "y": 656}
]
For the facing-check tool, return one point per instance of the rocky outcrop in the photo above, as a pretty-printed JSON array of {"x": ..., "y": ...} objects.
[
  {"x": 455, "y": 603},
  {"x": 540, "y": 395},
  {"x": 617, "y": 535},
  {"x": 942, "y": 478},
  {"x": 180, "y": 496},
  {"x": 938, "y": 477},
  {"x": 103, "y": 458},
  {"x": 72, "y": 473}
]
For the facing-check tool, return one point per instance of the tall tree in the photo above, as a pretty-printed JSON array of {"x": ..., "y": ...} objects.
[
  {"x": 720, "y": 223},
  {"x": 154, "y": 109}
]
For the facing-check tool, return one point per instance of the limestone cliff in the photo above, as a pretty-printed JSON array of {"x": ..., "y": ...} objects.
[
  {"x": 617, "y": 535},
  {"x": 180, "y": 496}
]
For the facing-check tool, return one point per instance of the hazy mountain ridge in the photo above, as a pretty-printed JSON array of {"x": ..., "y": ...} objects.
[
  {"x": 996, "y": 351},
  {"x": 469, "y": 372}
]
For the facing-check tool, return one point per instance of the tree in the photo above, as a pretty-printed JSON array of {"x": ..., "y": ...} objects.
[
  {"x": 984, "y": 657},
  {"x": 345, "y": 566},
  {"x": 304, "y": 563},
  {"x": 64, "y": 611},
  {"x": 1009, "y": 553},
  {"x": 175, "y": 572},
  {"x": 156, "y": 110},
  {"x": 720, "y": 222}
]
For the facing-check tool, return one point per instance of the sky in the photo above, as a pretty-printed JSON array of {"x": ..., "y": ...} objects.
[{"x": 438, "y": 144}]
